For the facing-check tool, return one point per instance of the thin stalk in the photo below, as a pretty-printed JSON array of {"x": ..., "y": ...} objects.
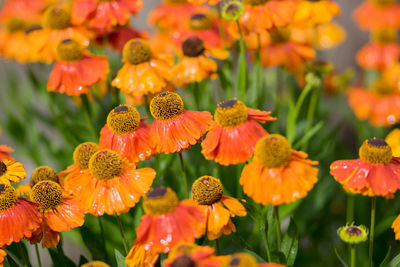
[
  {"x": 221, "y": 25},
  {"x": 266, "y": 242},
  {"x": 350, "y": 209},
  {"x": 60, "y": 251},
  {"x": 259, "y": 88},
  {"x": 353, "y": 256},
  {"x": 372, "y": 231},
  {"x": 103, "y": 239},
  {"x": 242, "y": 73},
  {"x": 217, "y": 247},
  {"x": 88, "y": 113},
  {"x": 278, "y": 228},
  {"x": 22, "y": 254},
  {"x": 121, "y": 230},
  {"x": 38, "y": 255},
  {"x": 185, "y": 182},
  {"x": 311, "y": 112}
]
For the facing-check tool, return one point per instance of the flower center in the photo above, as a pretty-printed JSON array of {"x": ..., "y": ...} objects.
[
  {"x": 375, "y": 151},
  {"x": 255, "y": 2},
  {"x": 160, "y": 200},
  {"x": 383, "y": 3},
  {"x": 3, "y": 168},
  {"x": 105, "y": 164},
  {"x": 232, "y": 10},
  {"x": 123, "y": 119},
  {"x": 384, "y": 35},
  {"x": 166, "y": 105},
  {"x": 280, "y": 35},
  {"x": 174, "y": 2},
  {"x": 83, "y": 153},
  {"x": 242, "y": 260},
  {"x": 199, "y": 22},
  {"x": 8, "y": 198},
  {"x": 69, "y": 50},
  {"x": 183, "y": 261},
  {"x": 56, "y": 18},
  {"x": 231, "y": 113},
  {"x": 136, "y": 51},
  {"x": 193, "y": 46},
  {"x": 48, "y": 194},
  {"x": 14, "y": 25},
  {"x": 207, "y": 190},
  {"x": 382, "y": 88},
  {"x": 43, "y": 173},
  {"x": 353, "y": 230},
  {"x": 273, "y": 151}
]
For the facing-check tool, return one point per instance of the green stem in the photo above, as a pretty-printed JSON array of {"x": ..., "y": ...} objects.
[
  {"x": 221, "y": 25},
  {"x": 121, "y": 230},
  {"x": 38, "y": 255},
  {"x": 242, "y": 71},
  {"x": 103, "y": 239},
  {"x": 311, "y": 112},
  {"x": 22, "y": 254},
  {"x": 353, "y": 256},
  {"x": 350, "y": 209},
  {"x": 185, "y": 182},
  {"x": 88, "y": 113},
  {"x": 217, "y": 246},
  {"x": 372, "y": 229},
  {"x": 61, "y": 252},
  {"x": 278, "y": 228},
  {"x": 266, "y": 242}
]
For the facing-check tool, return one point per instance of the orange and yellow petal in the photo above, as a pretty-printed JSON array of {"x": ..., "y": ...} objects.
[
  {"x": 66, "y": 216},
  {"x": 234, "y": 206},
  {"x": 393, "y": 140},
  {"x": 23, "y": 191},
  {"x": 3, "y": 254},
  {"x": 314, "y": 13},
  {"x": 396, "y": 227},
  {"x": 369, "y": 16},
  {"x": 202, "y": 256},
  {"x": 378, "y": 56},
  {"x": 139, "y": 257},
  {"x": 75, "y": 179},
  {"x": 44, "y": 234},
  {"x": 4, "y": 150},
  {"x": 193, "y": 69},
  {"x": 15, "y": 172}
]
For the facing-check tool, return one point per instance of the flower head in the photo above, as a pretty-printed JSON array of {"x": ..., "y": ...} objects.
[
  {"x": 353, "y": 234},
  {"x": 43, "y": 173},
  {"x": 232, "y": 10},
  {"x": 11, "y": 171}
]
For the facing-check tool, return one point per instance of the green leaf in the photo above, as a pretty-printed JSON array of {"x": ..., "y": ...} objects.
[
  {"x": 307, "y": 136},
  {"x": 120, "y": 259},
  {"x": 340, "y": 259},
  {"x": 290, "y": 243},
  {"x": 92, "y": 242},
  {"x": 386, "y": 259},
  {"x": 395, "y": 262},
  {"x": 56, "y": 258},
  {"x": 278, "y": 257}
]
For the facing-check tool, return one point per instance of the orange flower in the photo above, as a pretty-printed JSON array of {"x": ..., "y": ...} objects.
[
  {"x": 11, "y": 171},
  {"x": 175, "y": 128},
  {"x": 43, "y": 173},
  {"x": 3, "y": 254},
  {"x": 381, "y": 105},
  {"x": 76, "y": 70},
  {"x": 189, "y": 254},
  {"x": 393, "y": 140},
  {"x": 73, "y": 174},
  {"x": 382, "y": 52},
  {"x": 167, "y": 222},
  {"x": 60, "y": 213},
  {"x": 19, "y": 217},
  {"x": 104, "y": 14},
  {"x": 278, "y": 174},
  {"x": 143, "y": 72},
  {"x": 112, "y": 184},
  {"x": 378, "y": 13},
  {"x": 392, "y": 75},
  {"x": 201, "y": 2},
  {"x": 4, "y": 150},
  {"x": 234, "y": 124},
  {"x": 313, "y": 13},
  {"x": 56, "y": 27},
  {"x": 139, "y": 257},
  {"x": 374, "y": 174},
  {"x": 194, "y": 66},
  {"x": 208, "y": 195},
  {"x": 126, "y": 134},
  {"x": 29, "y": 10},
  {"x": 118, "y": 37},
  {"x": 246, "y": 260},
  {"x": 396, "y": 227}
]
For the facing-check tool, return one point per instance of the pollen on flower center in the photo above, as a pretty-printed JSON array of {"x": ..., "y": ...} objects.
[
  {"x": 83, "y": 153},
  {"x": 69, "y": 50},
  {"x": 280, "y": 35},
  {"x": 3, "y": 168},
  {"x": 384, "y": 35},
  {"x": 8, "y": 198},
  {"x": 172, "y": 2},
  {"x": 160, "y": 200},
  {"x": 255, "y": 2},
  {"x": 183, "y": 261},
  {"x": 242, "y": 260},
  {"x": 231, "y": 113},
  {"x": 200, "y": 22},
  {"x": 48, "y": 194},
  {"x": 136, "y": 51},
  {"x": 15, "y": 24},
  {"x": 123, "y": 119},
  {"x": 43, "y": 173},
  {"x": 105, "y": 164},
  {"x": 382, "y": 88},
  {"x": 383, "y": 3},
  {"x": 193, "y": 46},
  {"x": 166, "y": 105},
  {"x": 207, "y": 190},
  {"x": 56, "y": 18},
  {"x": 375, "y": 151},
  {"x": 273, "y": 151}
]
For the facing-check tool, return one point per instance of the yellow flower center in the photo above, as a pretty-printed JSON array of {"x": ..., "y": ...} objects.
[
  {"x": 105, "y": 164},
  {"x": 136, "y": 51},
  {"x": 56, "y": 18},
  {"x": 199, "y": 22},
  {"x": 242, "y": 260},
  {"x": 96, "y": 263},
  {"x": 207, "y": 190},
  {"x": 166, "y": 105},
  {"x": 43, "y": 173},
  {"x": 14, "y": 25},
  {"x": 174, "y": 2},
  {"x": 3, "y": 168},
  {"x": 183, "y": 261},
  {"x": 383, "y": 3},
  {"x": 280, "y": 35},
  {"x": 375, "y": 151},
  {"x": 231, "y": 113},
  {"x": 69, "y": 50},
  {"x": 382, "y": 88},
  {"x": 83, "y": 153},
  {"x": 273, "y": 151},
  {"x": 8, "y": 198},
  {"x": 160, "y": 200},
  {"x": 184, "y": 248},
  {"x": 193, "y": 46},
  {"x": 48, "y": 194},
  {"x": 384, "y": 35},
  {"x": 123, "y": 119},
  {"x": 255, "y": 2}
]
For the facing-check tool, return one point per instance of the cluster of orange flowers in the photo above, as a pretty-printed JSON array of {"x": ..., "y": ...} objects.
[{"x": 380, "y": 103}]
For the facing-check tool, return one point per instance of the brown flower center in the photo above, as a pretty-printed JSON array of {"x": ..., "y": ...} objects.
[
  {"x": 255, "y": 2},
  {"x": 136, "y": 51},
  {"x": 174, "y": 2},
  {"x": 273, "y": 151},
  {"x": 56, "y": 18},
  {"x": 353, "y": 230},
  {"x": 123, "y": 119},
  {"x": 199, "y": 22},
  {"x": 48, "y": 194},
  {"x": 105, "y": 164},
  {"x": 3, "y": 168},
  {"x": 69, "y": 50},
  {"x": 193, "y": 46},
  {"x": 207, "y": 190},
  {"x": 384, "y": 35},
  {"x": 280, "y": 35},
  {"x": 166, "y": 105},
  {"x": 160, "y": 200},
  {"x": 383, "y": 3},
  {"x": 43, "y": 173},
  {"x": 83, "y": 153},
  {"x": 382, "y": 88},
  {"x": 375, "y": 151},
  {"x": 231, "y": 113},
  {"x": 15, "y": 24},
  {"x": 183, "y": 261},
  {"x": 8, "y": 198},
  {"x": 242, "y": 260}
]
